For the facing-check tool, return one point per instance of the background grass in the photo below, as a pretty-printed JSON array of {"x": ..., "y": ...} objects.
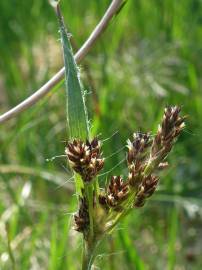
[{"x": 150, "y": 56}]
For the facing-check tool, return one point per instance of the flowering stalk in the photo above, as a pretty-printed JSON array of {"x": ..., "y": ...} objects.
[
  {"x": 100, "y": 211},
  {"x": 83, "y": 157},
  {"x": 145, "y": 157}
]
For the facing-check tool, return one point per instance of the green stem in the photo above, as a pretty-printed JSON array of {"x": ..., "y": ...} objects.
[
  {"x": 127, "y": 205},
  {"x": 96, "y": 189},
  {"x": 118, "y": 219},
  {"x": 89, "y": 254},
  {"x": 89, "y": 193}
]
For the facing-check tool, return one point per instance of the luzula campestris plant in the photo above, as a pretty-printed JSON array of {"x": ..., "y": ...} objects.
[{"x": 99, "y": 211}]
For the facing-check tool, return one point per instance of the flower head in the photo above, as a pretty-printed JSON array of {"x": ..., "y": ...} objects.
[{"x": 85, "y": 158}]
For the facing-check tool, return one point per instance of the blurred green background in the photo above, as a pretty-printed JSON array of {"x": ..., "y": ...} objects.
[{"x": 150, "y": 56}]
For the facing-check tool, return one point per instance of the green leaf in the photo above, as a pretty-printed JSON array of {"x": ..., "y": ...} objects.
[{"x": 76, "y": 110}]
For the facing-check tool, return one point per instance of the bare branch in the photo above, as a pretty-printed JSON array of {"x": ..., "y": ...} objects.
[{"x": 46, "y": 88}]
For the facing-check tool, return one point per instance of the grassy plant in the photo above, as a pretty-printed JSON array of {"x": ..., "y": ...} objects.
[
  {"x": 166, "y": 232},
  {"x": 98, "y": 212}
]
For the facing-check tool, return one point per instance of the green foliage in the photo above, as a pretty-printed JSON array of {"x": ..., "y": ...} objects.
[{"x": 76, "y": 110}]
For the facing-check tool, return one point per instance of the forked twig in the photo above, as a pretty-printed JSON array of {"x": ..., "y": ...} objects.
[{"x": 81, "y": 53}]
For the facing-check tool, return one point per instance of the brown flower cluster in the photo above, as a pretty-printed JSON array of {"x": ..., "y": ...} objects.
[
  {"x": 85, "y": 158},
  {"x": 117, "y": 191},
  {"x": 170, "y": 128},
  {"x": 81, "y": 218},
  {"x": 146, "y": 189},
  {"x": 137, "y": 156},
  {"x": 145, "y": 157},
  {"x": 142, "y": 177}
]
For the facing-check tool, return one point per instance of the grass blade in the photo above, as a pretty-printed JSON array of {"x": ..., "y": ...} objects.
[{"x": 76, "y": 111}]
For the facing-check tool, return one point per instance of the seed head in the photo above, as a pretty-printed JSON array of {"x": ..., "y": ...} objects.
[
  {"x": 103, "y": 200},
  {"x": 117, "y": 191},
  {"x": 135, "y": 174},
  {"x": 170, "y": 128},
  {"x": 81, "y": 219},
  {"x": 137, "y": 149},
  {"x": 146, "y": 189},
  {"x": 85, "y": 158},
  {"x": 145, "y": 156}
]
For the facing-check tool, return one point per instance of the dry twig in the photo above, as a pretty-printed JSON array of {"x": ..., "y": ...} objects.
[{"x": 82, "y": 52}]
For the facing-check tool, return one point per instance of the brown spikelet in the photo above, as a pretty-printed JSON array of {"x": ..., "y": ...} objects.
[
  {"x": 138, "y": 148},
  {"x": 146, "y": 156},
  {"x": 170, "y": 128},
  {"x": 117, "y": 191},
  {"x": 135, "y": 175},
  {"x": 103, "y": 201},
  {"x": 146, "y": 190},
  {"x": 81, "y": 219},
  {"x": 85, "y": 158}
]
